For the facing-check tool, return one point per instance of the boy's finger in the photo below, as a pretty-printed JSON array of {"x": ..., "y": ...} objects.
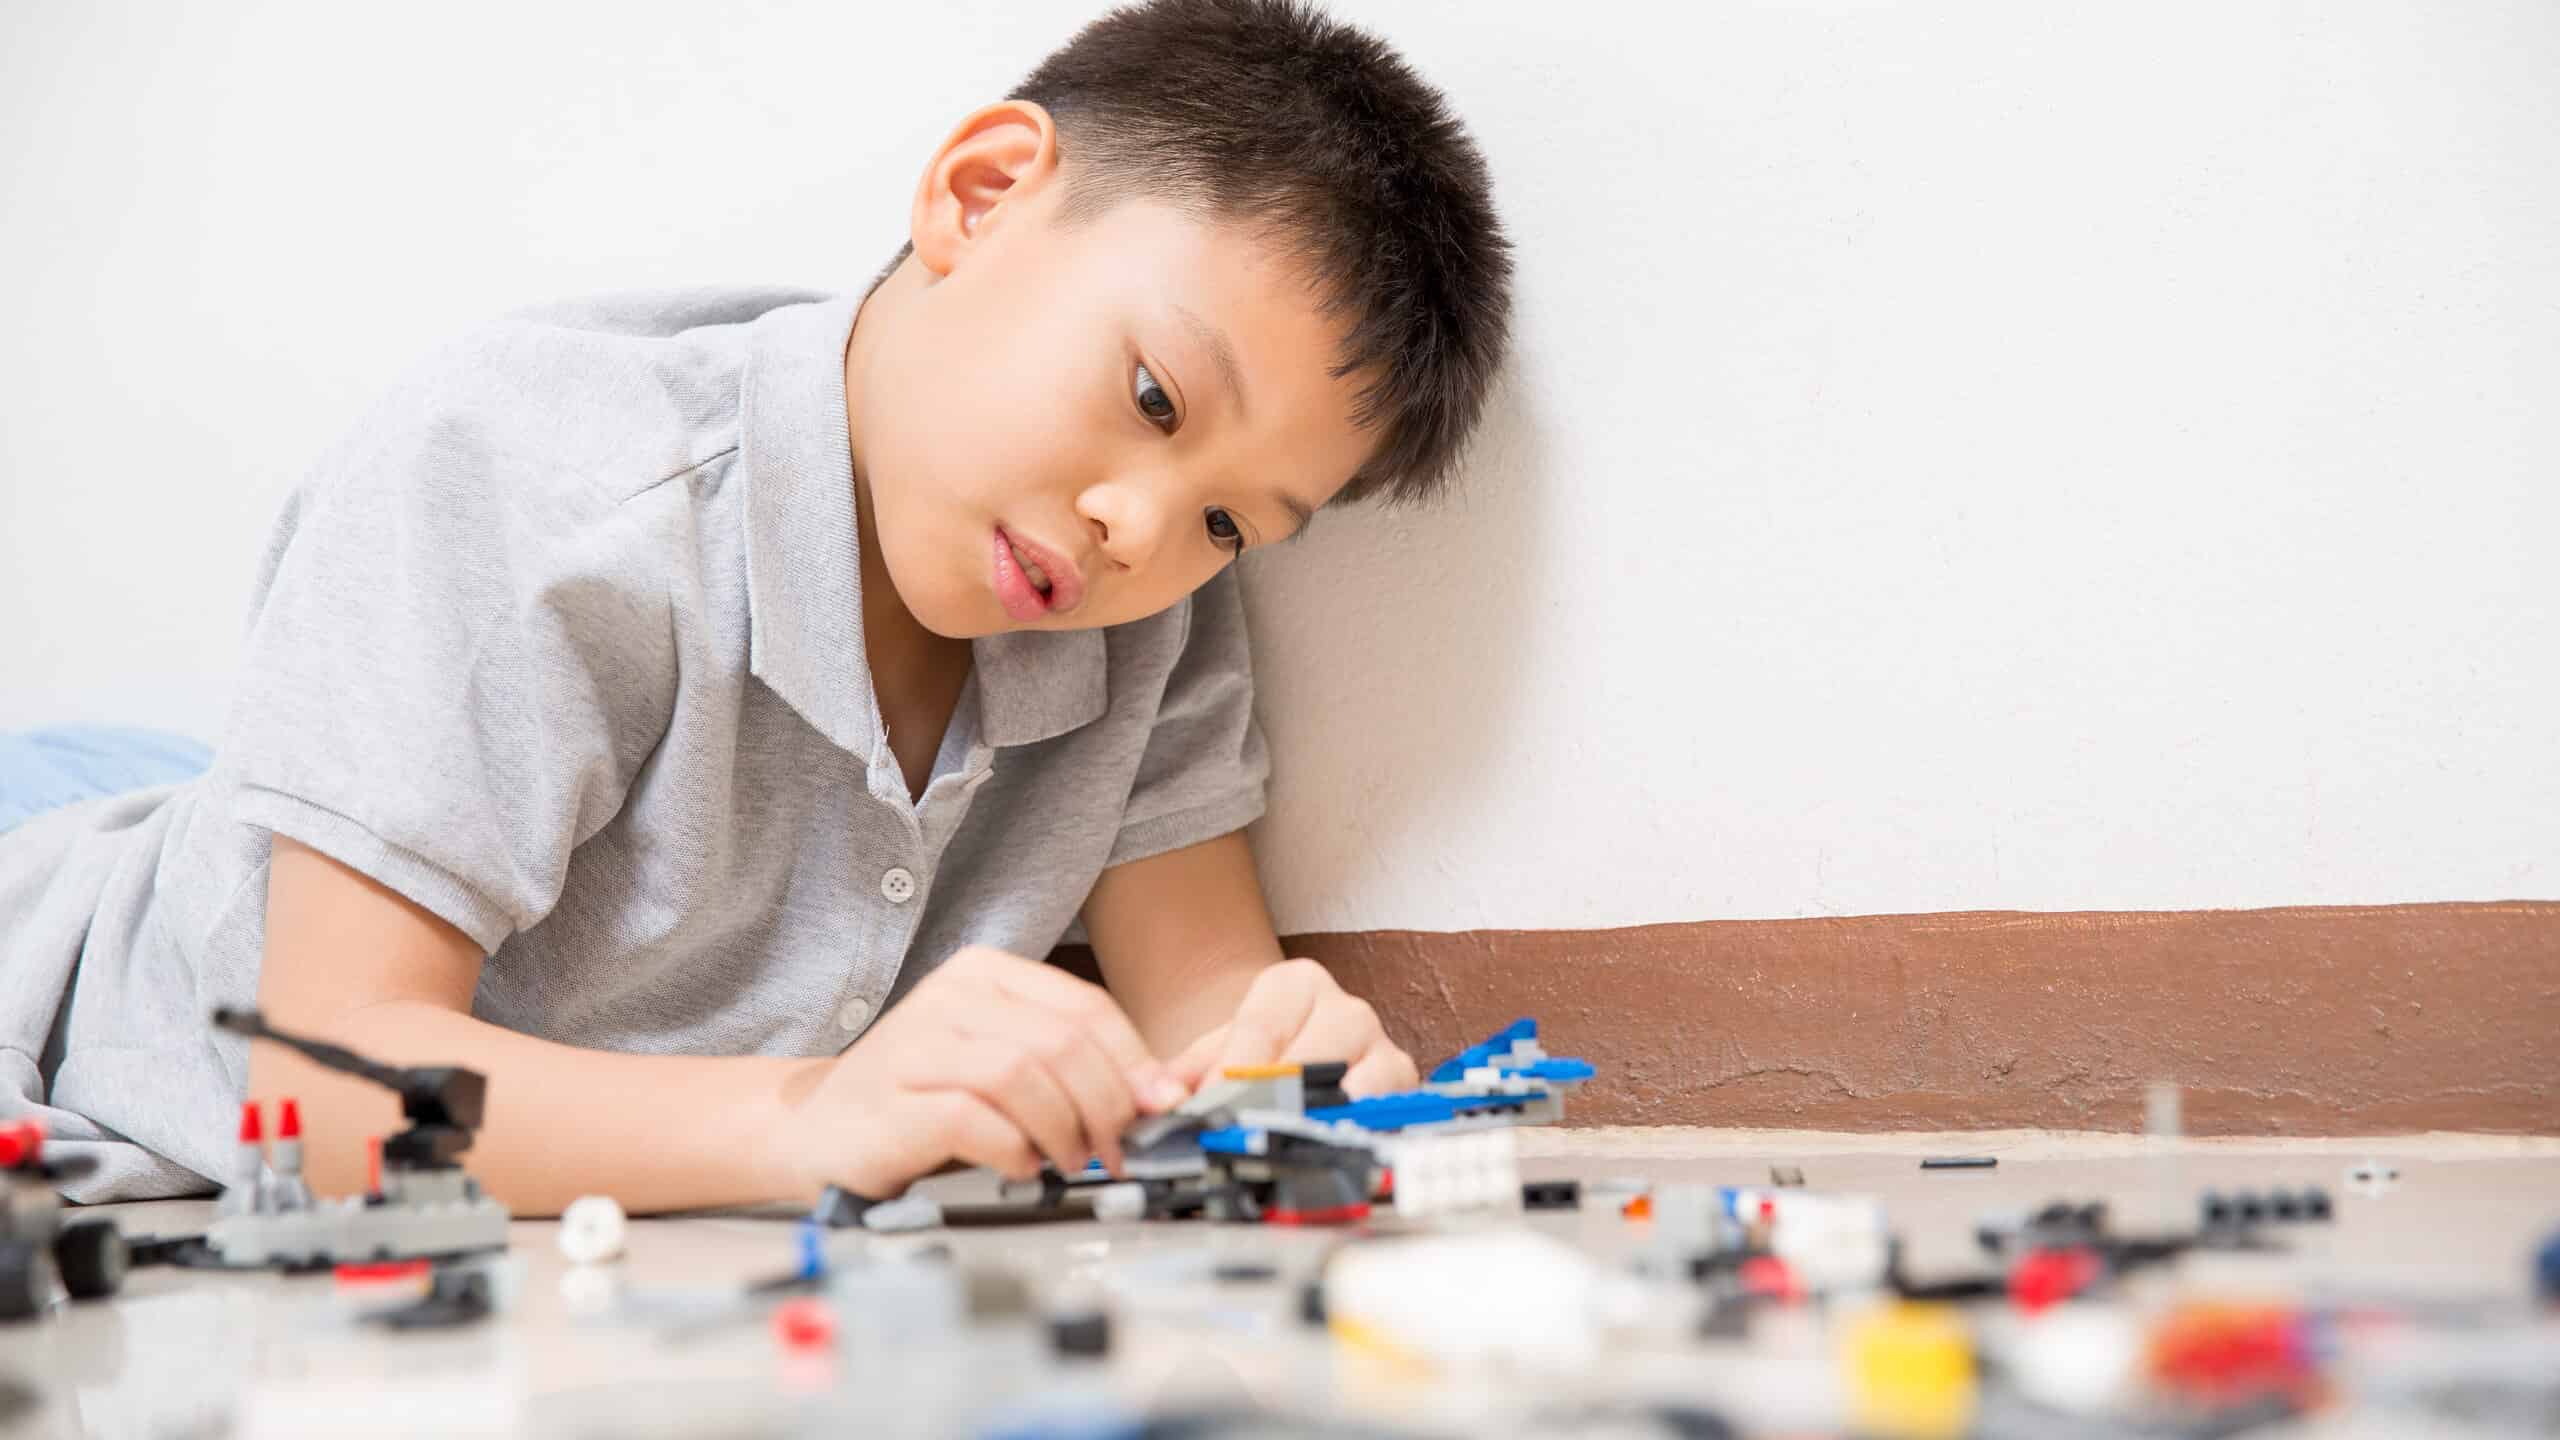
[
  {"x": 1344, "y": 1029},
  {"x": 1273, "y": 1013},
  {"x": 1092, "y": 1007},
  {"x": 1094, "y": 1085},
  {"x": 1191, "y": 1067},
  {"x": 974, "y": 1131},
  {"x": 1383, "y": 1071},
  {"x": 1013, "y": 1080}
]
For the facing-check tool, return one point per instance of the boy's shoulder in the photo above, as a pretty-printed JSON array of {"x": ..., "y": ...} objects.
[{"x": 615, "y": 391}]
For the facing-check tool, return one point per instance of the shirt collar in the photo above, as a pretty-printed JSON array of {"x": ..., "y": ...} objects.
[{"x": 804, "y": 571}]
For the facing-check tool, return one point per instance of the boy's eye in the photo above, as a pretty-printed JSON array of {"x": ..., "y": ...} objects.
[
  {"x": 1222, "y": 528},
  {"x": 1153, "y": 403}
]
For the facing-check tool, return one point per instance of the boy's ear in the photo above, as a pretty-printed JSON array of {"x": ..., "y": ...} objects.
[{"x": 1003, "y": 150}]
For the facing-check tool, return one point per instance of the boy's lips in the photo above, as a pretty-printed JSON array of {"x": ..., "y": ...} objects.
[{"x": 1014, "y": 589}]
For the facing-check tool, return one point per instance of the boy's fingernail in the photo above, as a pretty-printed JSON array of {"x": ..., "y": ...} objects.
[{"x": 1165, "y": 1092}]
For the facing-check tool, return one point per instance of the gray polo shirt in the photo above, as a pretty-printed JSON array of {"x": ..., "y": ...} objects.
[{"x": 563, "y": 642}]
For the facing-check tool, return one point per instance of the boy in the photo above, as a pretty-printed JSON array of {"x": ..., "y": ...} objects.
[{"x": 654, "y": 691}]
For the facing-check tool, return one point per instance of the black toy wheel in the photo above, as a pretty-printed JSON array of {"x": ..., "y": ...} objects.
[
  {"x": 23, "y": 1285},
  {"x": 92, "y": 1257}
]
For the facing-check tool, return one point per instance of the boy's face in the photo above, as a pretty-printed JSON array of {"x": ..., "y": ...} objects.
[{"x": 1021, "y": 389}]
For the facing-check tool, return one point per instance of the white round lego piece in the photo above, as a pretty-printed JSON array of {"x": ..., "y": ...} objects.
[
  {"x": 1126, "y": 1200},
  {"x": 591, "y": 1230}
]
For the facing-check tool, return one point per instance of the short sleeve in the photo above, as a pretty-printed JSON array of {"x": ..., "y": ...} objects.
[
  {"x": 460, "y": 656},
  {"x": 1204, "y": 768}
]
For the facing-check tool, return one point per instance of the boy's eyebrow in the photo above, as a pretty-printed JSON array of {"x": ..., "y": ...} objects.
[
  {"x": 1223, "y": 354},
  {"x": 1214, "y": 340}
]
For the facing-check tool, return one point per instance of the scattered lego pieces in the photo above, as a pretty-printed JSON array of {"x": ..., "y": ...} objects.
[
  {"x": 1082, "y": 1333},
  {"x": 2233, "y": 1354},
  {"x": 38, "y": 1247},
  {"x": 839, "y": 1208},
  {"x": 1551, "y": 1195},
  {"x": 909, "y": 1212},
  {"x": 456, "y": 1295},
  {"x": 592, "y": 1230},
  {"x": 1446, "y": 1174},
  {"x": 2042, "y": 1279},
  {"x": 2243, "y": 1208},
  {"x": 1910, "y": 1372},
  {"x": 806, "y": 1323}
]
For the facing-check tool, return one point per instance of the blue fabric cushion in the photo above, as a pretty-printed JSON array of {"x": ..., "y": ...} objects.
[{"x": 44, "y": 770}]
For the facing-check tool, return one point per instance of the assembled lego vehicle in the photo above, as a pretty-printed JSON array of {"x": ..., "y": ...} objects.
[
  {"x": 1283, "y": 1144},
  {"x": 423, "y": 1205},
  {"x": 87, "y": 1257}
]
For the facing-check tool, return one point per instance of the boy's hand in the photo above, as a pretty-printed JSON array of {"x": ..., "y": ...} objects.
[
  {"x": 1295, "y": 1012},
  {"x": 993, "y": 1060}
]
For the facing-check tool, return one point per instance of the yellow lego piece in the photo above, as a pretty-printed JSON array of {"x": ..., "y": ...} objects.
[
  {"x": 1910, "y": 1372},
  {"x": 1257, "y": 1072}
]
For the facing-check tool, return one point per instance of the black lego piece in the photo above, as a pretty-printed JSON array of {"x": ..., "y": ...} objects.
[
  {"x": 1551, "y": 1195},
  {"x": 1960, "y": 1162},
  {"x": 1311, "y": 1309},
  {"x": 91, "y": 1256},
  {"x": 1244, "y": 1272},
  {"x": 442, "y": 1102},
  {"x": 456, "y": 1296},
  {"x": 839, "y": 1208},
  {"x": 1787, "y": 1176},
  {"x": 1320, "y": 1084},
  {"x": 1082, "y": 1334}
]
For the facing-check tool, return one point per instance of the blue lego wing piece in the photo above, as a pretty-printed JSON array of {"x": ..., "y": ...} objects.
[
  {"x": 1228, "y": 1140},
  {"x": 1416, "y": 1107},
  {"x": 1457, "y": 1066},
  {"x": 1554, "y": 1067},
  {"x": 1391, "y": 1112}
]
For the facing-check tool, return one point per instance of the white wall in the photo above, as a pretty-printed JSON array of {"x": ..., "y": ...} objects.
[{"x": 1979, "y": 455}]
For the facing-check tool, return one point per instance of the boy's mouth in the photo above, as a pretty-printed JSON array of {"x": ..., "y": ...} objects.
[{"x": 1031, "y": 581}]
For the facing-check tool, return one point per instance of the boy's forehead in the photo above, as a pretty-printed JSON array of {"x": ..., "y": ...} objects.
[{"x": 1242, "y": 326}]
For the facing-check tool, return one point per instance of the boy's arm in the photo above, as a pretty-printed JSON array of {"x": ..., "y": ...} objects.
[
  {"x": 1185, "y": 942},
  {"x": 993, "y": 1060}
]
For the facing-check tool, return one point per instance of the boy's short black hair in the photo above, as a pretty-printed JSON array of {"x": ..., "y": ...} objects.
[{"x": 1331, "y": 148}]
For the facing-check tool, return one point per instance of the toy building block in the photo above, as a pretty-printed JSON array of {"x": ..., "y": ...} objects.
[
  {"x": 38, "y": 1250},
  {"x": 287, "y": 1189},
  {"x": 1449, "y": 1174},
  {"x": 424, "y": 1204},
  {"x": 1284, "y": 1140}
]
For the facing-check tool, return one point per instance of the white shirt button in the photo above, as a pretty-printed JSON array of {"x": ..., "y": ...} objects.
[
  {"x": 898, "y": 885},
  {"x": 855, "y": 1014}
]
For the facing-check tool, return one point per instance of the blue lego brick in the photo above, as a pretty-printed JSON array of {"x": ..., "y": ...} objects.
[
  {"x": 1229, "y": 1140},
  {"x": 1416, "y": 1107},
  {"x": 1456, "y": 1068}
]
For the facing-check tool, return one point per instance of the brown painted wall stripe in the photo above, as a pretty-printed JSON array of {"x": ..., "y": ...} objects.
[{"x": 2309, "y": 1020}]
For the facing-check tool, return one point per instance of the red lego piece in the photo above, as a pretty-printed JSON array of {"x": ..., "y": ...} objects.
[
  {"x": 288, "y": 1120},
  {"x": 1770, "y": 1276},
  {"x": 249, "y": 1123},
  {"x": 804, "y": 1324},
  {"x": 2043, "y": 1278},
  {"x": 21, "y": 1144},
  {"x": 1338, "y": 1215},
  {"x": 377, "y": 1272}
]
